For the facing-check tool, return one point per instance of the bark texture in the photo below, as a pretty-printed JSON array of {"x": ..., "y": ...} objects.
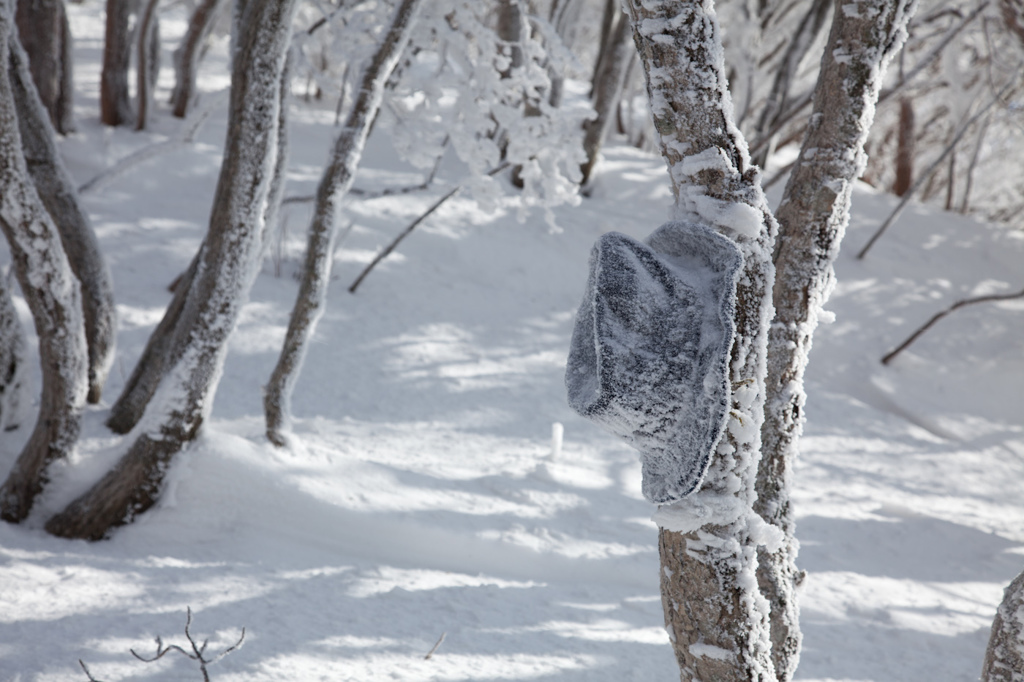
[
  {"x": 1004, "y": 658},
  {"x": 147, "y": 61},
  {"x": 812, "y": 220},
  {"x": 46, "y": 36},
  {"x": 187, "y": 55},
  {"x": 334, "y": 184},
  {"x": 52, "y": 293},
  {"x": 13, "y": 347},
  {"x": 115, "y": 106},
  {"x": 57, "y": 191},
  {"x": 905, "y": 149},
  {"x": 225, "y": 269},
  {"x": 608, "y": 83},
  {"x": 715, "y": 616}
]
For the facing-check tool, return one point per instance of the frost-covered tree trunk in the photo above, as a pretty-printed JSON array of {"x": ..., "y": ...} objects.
[
  {"x": 44, "y": 32},
  {"x": 608, "y": 83},
  {"x": 115, "y": 106},
  {"x": 186, "y": 56},
  {"x": 147, "y": 60},
  {"x": 812, "y": 218},
  {"x": 334, "y": 185},
  {"x": 1004, "y": 658},
  {"x": 716, "y": 617},
  {"x": 58, "y": 193},
  {"x": 226, "y": 267},
  {"x": 52, "y": 292},
  {"x": 13, "y": 347}
]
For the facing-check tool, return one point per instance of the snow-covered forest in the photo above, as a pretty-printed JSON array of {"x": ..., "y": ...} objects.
[{"x": 294, "y": 360}]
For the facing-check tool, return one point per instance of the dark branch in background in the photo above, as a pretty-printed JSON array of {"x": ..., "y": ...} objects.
[
  {"x": 931, "y": 169},
  {"x": 938, "y": 316},
  {"x": 408, "y": 230}
]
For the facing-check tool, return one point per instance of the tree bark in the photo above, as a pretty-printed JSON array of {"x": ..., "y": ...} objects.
[
  {"x": 45, "y": 34},
  {"x": 607, "y": 93},
  {"x": 52, "y": 293},
  {"x": 905, "y": 149},
  {"x": 812, "y": 219},
  {"x": 1004, "y": 658},
  {"x": 334, "y": 184},
  {"x": 57, "y": 191},
  {"x": 187, "y": 55},
  {"x": 226, "y": 268},
  {"x": 148, "y": 47},
  {"x": 13, "y": 361},
  {"x": 715, "y": 616},
  {"x": 115, "y": 107}
]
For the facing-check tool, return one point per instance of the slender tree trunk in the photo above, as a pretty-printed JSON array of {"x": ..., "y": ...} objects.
[
  {"x": 13, "y": 361},
  {"x": 52, "y": 293},
  {"x": 612, "y": 9},
  {"x": 716, "y": 618},
  {"x": 812, "y": 219},
  {"x": 334, "y": 184},
  {"x": 1004, "y": 659},
  {"x": 226, "y": 268},
  {"x": 148, "y": 45},
  {"x": 607, "y": 93},
  {"x": 186, "y": 57},
  {"x": 57, "y": 191},
  {"x": 905, "y": 149},
  {"x": 115, "y": 107},
  {"x": 44, "y": 32},
  {"x": 778, "y": 98}
]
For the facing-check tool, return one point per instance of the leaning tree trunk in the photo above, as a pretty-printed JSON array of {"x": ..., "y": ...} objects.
[
  {"x": 334, "y": 184},
  {"x": 812, "y": 220},
  {"x": 52, "y": 293},
  {"x": 44, "y": 32},
  {"x": 1004, "y": 659},
  {"x": 115, "y": 106},
  {"x": 716, "y": 618},
  {"x": 160, "y": 351},
  {"x": 226, "y": 268},
  {"x": 58, "y": 193},
  {"x": 187, "y": 55},
  {"x": 13, "y": 361},
  {"x": 608, "y": 84}
]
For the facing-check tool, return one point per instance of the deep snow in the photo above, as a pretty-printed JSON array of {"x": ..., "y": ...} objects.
[{"x": 424, "y": 496}]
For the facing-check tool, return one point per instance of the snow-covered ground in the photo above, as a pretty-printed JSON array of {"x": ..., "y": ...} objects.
[{"x": 423, "y": 495}]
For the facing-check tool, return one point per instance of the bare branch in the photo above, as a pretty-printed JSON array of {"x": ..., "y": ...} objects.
[
  {"x": 436, "y": 646},
  {"x": 938, "y": 316}
]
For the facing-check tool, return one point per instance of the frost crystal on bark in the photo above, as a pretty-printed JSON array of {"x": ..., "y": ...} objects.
[{"x": 649, "y": 358}]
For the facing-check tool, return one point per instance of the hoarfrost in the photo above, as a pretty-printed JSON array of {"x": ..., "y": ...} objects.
[{"x": 649, "y": 357}]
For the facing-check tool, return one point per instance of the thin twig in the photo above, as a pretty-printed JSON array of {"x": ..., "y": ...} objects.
[
  {"x": 436, "y": 646},
  {"x": 938, "y": 316},
  {"x": 408, "y": 230},
  {"x": 87, "y": 673}
]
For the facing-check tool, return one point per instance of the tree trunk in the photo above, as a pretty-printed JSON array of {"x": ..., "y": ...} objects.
[
  {"x": 148, "y": 47},
  {"x": 57, "y": 191},
  {"x": 715, "y": 616},
  {"x": 812, "y": 218},
  {"x": 226, "y": 268},
  {"x": 44, "y": 33},
  {"x": 52, "y": 293},
  {"x": 13, "y": 362},
  {"x": 1004, "y": 659},
  {"x": 115, "y": 107},
  {"x": 612, "y": 9},
  {"x": 905, "y": 149},
  {"x": 800, "y": 44},
  {"x": 607, "y": 93},
  {"x": 334, "y": 184},
  {"x": 186, "y": 57}
]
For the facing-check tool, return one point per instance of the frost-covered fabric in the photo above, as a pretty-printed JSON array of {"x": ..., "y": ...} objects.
[{"x": 649, "y": 357}]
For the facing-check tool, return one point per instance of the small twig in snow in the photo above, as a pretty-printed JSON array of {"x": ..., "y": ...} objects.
[
  {"x": 87, "y": 673},
  {"x": 436, "y": 646},
  {"x": 938, "y": 316},
  {"x": 198, "y": 650}
]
